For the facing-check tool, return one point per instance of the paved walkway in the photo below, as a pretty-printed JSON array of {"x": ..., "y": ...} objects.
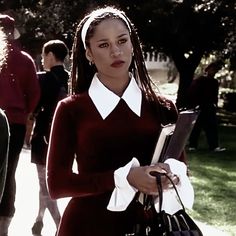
[
  {"x": 27, "y": 200},
  {"x": 27, "y": 203}
]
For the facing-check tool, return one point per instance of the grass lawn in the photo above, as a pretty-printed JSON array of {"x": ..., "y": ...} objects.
[{"x": 213, "y": 176}]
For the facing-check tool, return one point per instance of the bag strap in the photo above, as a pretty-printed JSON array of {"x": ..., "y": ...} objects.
[{"x": 160, "y": 188}]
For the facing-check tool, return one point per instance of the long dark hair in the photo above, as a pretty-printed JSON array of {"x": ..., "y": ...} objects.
[{"x": 82, "y": 73}]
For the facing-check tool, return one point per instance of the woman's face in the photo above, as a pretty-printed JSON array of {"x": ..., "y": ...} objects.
[{"x": 110, "y": 48}]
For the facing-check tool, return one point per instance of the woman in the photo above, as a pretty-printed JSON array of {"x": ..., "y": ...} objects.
[{"x": 109, "y": 126}]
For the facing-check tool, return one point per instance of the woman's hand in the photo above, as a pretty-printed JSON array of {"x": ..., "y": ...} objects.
[{"x": 142, "y": 179}]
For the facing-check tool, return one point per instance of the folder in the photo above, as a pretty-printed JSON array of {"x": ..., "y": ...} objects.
[{"x": 173, "y": 137}]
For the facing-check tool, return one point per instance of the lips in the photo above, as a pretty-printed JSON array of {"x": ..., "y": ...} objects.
[{"x": 117, "y": 63}]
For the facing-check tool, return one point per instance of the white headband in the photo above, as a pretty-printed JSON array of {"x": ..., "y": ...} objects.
[{"x": 94, "y": 16}]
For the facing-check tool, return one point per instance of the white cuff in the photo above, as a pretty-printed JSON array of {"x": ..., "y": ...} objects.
[
  {"x": 170, "y": 200},
  {"x": 123, "y": 192}
]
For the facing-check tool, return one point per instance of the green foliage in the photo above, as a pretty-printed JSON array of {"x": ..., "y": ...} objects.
[
  {"x": 171, "y": 26},
  {"x": 185, "y": 30},
  {"x": 214, "y": 179}
]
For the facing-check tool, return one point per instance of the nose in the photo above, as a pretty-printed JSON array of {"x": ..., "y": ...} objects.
[{"x": 115, "y": 51}]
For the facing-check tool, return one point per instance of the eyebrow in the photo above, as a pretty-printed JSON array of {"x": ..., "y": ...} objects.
[{"x": 120, "y": 36}]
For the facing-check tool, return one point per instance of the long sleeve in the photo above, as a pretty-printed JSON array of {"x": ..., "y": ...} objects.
[
  {"x": 19, "y": 87},
  {"x": 185, "y": 189},
  {"x": 123, "y": 193},
  {"x": 30, "y": 84},
  {"x": 62, "y": 181}
]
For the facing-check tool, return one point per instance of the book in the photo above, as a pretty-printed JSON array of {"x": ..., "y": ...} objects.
[
  {"x": 162, "y": 142},
  {"x": 173, "y": 137}
]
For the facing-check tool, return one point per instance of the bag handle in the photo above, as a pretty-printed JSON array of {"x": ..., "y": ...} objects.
[{"x": 160, "y": 188}]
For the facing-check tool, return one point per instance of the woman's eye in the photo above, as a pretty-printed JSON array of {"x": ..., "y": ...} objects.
[
  {"x": 103, "y": 45},
  {"x": 121, "y": 41}
]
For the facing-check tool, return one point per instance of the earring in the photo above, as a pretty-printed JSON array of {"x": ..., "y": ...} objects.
[{"x": 91, "y": 63}]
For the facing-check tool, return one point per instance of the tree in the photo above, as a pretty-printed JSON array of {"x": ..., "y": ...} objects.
[
  {"x": 185, "y": 30},
  {"x": 42, "y": 20}
]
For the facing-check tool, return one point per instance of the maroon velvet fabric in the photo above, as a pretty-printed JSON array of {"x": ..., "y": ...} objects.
[
  {"x": 101, "y": 147},
  {"x": 19, "y": 87}
]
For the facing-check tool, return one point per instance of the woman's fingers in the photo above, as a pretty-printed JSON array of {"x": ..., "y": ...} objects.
[{"x": 143, "y": 178}]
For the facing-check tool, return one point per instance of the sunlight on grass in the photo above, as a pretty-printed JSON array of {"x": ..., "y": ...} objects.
[
  {"x": 213, "y": 175},
  {"x": 214, "y": 179}
]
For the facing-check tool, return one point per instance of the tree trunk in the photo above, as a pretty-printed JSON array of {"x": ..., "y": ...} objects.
[
  {"x": 185, "y": 80},
  {"x": 186, "y": 68}
]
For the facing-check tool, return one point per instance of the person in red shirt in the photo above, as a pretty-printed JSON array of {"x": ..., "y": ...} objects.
[
  {"x": 19, "y": 95},
  {"x": 108, "y": 127}
]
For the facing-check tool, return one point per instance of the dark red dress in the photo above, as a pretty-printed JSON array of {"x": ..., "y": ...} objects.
[{"x": 100, "y": 147}]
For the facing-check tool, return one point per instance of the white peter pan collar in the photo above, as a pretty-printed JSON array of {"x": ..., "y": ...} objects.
[{"x": 106, "y": 101}]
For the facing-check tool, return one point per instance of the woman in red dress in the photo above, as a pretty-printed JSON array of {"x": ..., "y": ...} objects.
[{"x": 109, "y": 126}]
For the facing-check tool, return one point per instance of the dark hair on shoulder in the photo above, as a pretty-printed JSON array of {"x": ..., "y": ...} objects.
[
  {"x": 57, "y": 47},
  {"x": 82, "y": 72}
]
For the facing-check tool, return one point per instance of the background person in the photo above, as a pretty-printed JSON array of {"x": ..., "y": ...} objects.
[
  {"x": 203, "y": 92},
  {"x": 19, "y": 94},
  {"x": 54, "y": 86},
  {"x": 4, "y": 126},
  {"x": 4, "y": 144},
  {"x": 109, "y": 127}
]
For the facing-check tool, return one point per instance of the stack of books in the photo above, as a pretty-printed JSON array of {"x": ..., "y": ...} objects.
[{"x": 173, "y": 137}]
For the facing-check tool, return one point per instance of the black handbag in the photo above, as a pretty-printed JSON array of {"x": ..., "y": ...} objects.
[{"x": 162, "y": 223}]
